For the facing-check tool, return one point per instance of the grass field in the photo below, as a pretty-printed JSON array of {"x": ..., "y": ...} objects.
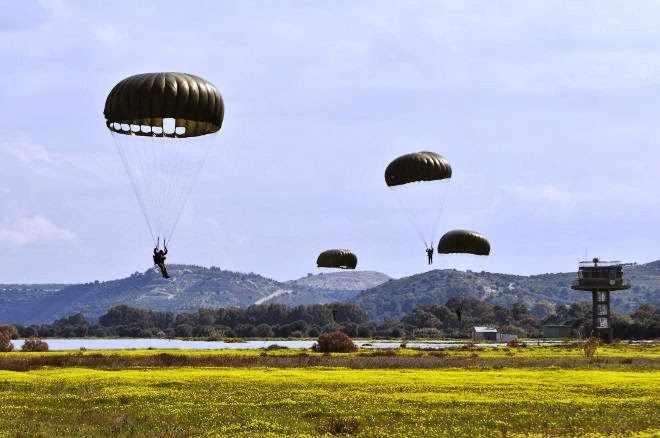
[{"x": 487, "y": 395}]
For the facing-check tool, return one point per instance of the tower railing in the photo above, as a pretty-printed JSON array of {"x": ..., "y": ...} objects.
[{"x": 600, "y": 282}]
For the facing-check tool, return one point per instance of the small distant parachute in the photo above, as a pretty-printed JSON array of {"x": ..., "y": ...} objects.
[
  {"x": 463, "y": 242},
  {"x": 459, "y": 313},
  {"x": 163, "y": 125},
  {"x": 337, "y": 258},
  {"x": 420, "y": 182}
]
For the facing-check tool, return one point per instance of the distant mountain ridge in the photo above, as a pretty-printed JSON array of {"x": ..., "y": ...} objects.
[
  {"x": 540, "y": 293},
  {"x": 194, "y": 287},
  {"x": 189, "y": 289}
]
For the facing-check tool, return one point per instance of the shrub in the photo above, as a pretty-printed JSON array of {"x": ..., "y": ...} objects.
[
  {"x": 590, "y": 347},
  {"x": 338, "y": 425},
  {"x": 335, "y": 342},
  {"x": 515, "y": 343},
  {"x": 34, "y": 344},
  {"x": 6, "y": 332},
  {"x": 215, "y": 335}
]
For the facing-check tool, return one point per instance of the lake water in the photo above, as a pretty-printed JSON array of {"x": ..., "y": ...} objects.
[{"x": 176, "y": 344}]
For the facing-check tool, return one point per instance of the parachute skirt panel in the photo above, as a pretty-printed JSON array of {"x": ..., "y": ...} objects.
[{"x": 337, "y": 258}]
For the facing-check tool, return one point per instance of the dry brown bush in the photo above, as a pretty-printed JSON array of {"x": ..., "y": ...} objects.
[
  {"x": 6, "y": 332},
  {"x": 338, "y": 425},
  {"x": 590, "y": 347},
  {"x": 335, "y": 342},
  {"x": 34, "y": 344}
]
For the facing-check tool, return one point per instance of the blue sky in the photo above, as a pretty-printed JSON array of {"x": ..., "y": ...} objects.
[{"x": 548, "y": 112}]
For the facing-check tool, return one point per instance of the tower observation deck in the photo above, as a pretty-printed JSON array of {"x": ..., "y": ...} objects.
[{"x": 601, "y": 278}]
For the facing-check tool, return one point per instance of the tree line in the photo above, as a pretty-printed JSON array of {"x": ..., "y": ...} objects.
[{"x": 278, "y": 320}]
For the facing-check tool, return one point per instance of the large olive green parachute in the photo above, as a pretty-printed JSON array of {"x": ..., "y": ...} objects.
[
  {"x": 463, "y": 242},
  {"x": 418, "y": 166},
  {"x": 419, "y": 181},
  {"x": 163, "y": 125},
  {"x": 337, "y": 258},
  {"x": 138, "y": 105}
]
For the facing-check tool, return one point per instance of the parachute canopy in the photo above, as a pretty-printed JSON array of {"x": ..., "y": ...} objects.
[
  {"x": 419, "y": 181},
  {"x": 337, "y": 258},
  {"x": 163, "y": 125},
  {"x": 138, "y": 105},
  {"x": 418, "y": 166},
  {"x": 463, "y": 242}
]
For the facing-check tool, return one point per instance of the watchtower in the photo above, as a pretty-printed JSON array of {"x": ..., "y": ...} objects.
[{"x": 601, "y": 278}]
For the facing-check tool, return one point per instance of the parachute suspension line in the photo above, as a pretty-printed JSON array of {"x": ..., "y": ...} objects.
[
  {"x": 139, "y": 146},
  {"x": 131, "y": 177},
  {"x": 180, "y": 172},
  {"x": 144, "y": 160},
  {"x": 409, "y": 212},
  {"x": 177, "y": 179},
  {"x": 159, "y": 170},
  {"x": 440, "y": 199},
  {"x": 422, "y": 202},
  {"x": 163, "y": 163},
  {"x": 202, "y": 151},
  {"x": 135, "y": 146},
  {"x": 167, "y": 166}
]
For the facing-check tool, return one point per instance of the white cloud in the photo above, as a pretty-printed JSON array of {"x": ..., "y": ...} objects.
[
  {"x": 27, "y": 153},
  {"x": 545, "y": 194},
  {"x": 36, "y": 159},
  {"x": 32, "y": 230}
]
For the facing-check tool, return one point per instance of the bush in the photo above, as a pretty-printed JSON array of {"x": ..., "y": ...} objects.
[
  {"x": 335, "y": 342},
  {"x": 515, "y": 343},
  {"x": 338, "y": 425},
  {"x": 34, "y": 344},
  {"x": 6, "y": 332},
  {"x": 590, "y": 347}
]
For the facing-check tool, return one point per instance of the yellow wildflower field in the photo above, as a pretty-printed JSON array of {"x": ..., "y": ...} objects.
[{"x": 316, "y": 401}]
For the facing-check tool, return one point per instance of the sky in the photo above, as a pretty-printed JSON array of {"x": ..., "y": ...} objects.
[{"x": 547, "y": 112}]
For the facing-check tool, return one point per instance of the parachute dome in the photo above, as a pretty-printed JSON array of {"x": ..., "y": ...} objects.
[
  {"x": 418, "y": 166},
  {"x": 463, "y": 242},
  {"x": 138, "y": 105},
  {"x": 337, "y": 258}
]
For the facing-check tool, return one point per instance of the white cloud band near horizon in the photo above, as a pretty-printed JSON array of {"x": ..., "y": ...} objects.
[{"x": 36, "y": 229}]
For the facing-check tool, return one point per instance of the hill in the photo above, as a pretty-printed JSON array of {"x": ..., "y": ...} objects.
[
  {"x": 540, "y": 293},
  {"x": 195, "y": 287},
  {"x": 191, "y": 288},
  {"x": 329, "y": 287}
]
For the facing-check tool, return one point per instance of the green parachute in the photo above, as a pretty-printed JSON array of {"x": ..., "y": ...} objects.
[
  {"x": 163, "y": 125},
  {"x": 463, "y": 242},
  {"x": 337, "y": 258},
  {"x": 420, "y": 182}
]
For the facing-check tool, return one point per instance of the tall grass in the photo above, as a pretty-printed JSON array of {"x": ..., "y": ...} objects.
[{"x": 531, "y": 357}]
